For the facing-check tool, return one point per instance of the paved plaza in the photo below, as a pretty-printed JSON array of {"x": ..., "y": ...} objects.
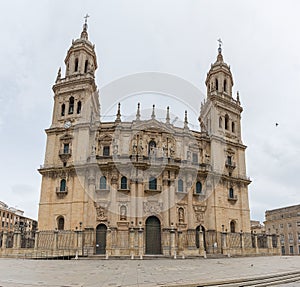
[{"x": 156, "y": 272}]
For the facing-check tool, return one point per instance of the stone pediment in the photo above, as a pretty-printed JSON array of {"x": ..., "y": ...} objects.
[
  {"x": 66, "y": 137},
  {"x": 153, "y": 125},
  {"x": 105, "y": 138}
]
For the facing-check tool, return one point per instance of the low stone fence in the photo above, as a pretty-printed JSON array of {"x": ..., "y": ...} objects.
[{"x": 131, "y": 243}]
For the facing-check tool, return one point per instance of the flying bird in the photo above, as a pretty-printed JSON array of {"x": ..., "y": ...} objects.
[{"x": 277, "y": 124}]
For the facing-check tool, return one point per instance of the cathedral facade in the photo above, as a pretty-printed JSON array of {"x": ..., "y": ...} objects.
[{"x": 142, "y": 183}]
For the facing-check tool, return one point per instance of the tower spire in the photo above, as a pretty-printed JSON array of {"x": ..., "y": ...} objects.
[
  {"x": 153, "y": 112},
  {"x": 220, "y": 56},
  {"x": 138, "y": 113},
  {"x": 186, "y": 123},
  {"x": 118, "y": 118},
  {"x": 84, "y": 34},
  {"x": 168, "y": 115}
]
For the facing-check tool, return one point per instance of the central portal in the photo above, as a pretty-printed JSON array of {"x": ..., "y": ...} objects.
[
  {"x": 153, "y": 235},
  {"x": 101, "y": 239}
]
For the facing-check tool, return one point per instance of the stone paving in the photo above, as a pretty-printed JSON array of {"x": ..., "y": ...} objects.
[{"x": 145, "y": 273}]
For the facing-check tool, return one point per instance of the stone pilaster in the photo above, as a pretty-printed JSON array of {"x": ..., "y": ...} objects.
[
  {"x": 242, "y": 240},
  {"x": 4, "y": 239},
  {"x": 108, "y": 243},
  {"x": 131, "y": 242},
  {"x": 256, "y": 244},
  {"x": 173, "y": 243},
  {"x": 202, "y": 252},
  {"x": 55, "y": 241},
  {"x": 79, "y": 242},
  {"x": 269, "y": 243},
  {"x": 172, "y": 205},
  {"x": 17, "y": 240},
  {"x": 141, "y": 242},
  {"x": 36, "y": 240},
  {"x": 180, "y": 243}
]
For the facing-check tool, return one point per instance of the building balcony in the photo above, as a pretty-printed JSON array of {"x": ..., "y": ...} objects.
[
  {"x": 103, "y": 190},
  {"x": 230, "y": 165},
  {"x": 124, "y": 189},
  {"x": 201, "y": 196},
  {"x": 65, "y": 154},
  {"x": 232, "y": 199},
  {"x": 152, "y": 188},
  {"x": 61, "y": 193}
]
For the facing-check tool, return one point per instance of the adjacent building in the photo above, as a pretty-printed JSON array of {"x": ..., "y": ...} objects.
[
  {"x": 13, "y": 219},
  {"x": 285, "y": 222}
]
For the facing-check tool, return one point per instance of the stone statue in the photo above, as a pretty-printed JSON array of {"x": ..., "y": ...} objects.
[
  {"x": 123, "y": 212},
  {"x": 181, "y": 215}
]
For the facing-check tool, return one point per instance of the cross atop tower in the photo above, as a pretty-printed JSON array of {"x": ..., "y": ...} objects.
[
  {"x": 220, "y": 42},
  {"x": 86, "y": 18}
]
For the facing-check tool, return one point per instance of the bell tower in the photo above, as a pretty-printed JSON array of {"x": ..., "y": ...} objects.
[
  {"x": 76, "y": 97},
  {"x": 220, "y": 118},
  {"x": 76, "y": 114}
]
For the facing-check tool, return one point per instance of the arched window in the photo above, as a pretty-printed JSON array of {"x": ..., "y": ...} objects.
[
  {"x": 63, "y": 109},
  {"x": 225, "y": 86},
  {"x": 151, "y": 147},
  {"x": 180, "y": 185},
  {"x": 198, "y": 187},
  {"x": 231, "y": 192},
  {"x": 226, "y": 122},
  {"x": 123, "y": 182},
  {"x": 79, "y": 107},
  {"x": 76, "y": 65},
  {"x": 153, "y": 183},
  {"x": 61, "y": 223},
  {"x": 217, "y": 85},
  {"x": 102, "y": 182},
  {"x": 233, "y": 127},
  {"x": 220, "y": 122},
  {"x": 86, "y": 64},
  {"x": 71, "y": 105},
  {"x": 63, "y": 185},
  {"x": 232, "y": 226}
]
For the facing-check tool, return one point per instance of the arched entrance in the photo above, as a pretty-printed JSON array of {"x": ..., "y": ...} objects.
[
  {"x": 101, "y": 239},
  {"x": 197, "y": 236},
  {"x": 153, "y": 235}
]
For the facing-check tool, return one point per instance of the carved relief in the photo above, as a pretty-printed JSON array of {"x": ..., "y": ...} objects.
[
  {"x": 152, "y": 207},
  {"x": 199, "y": 212},
  {"x": 101, "y": 213}
]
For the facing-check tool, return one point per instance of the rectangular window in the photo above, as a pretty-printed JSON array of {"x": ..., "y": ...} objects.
[
  {"x": 291, "y": 239},
  {"x": 291, "y": 249},
  {"x": 281, "y": 225},
  {"x": 106, "y": 151},
  {"x": 66, "y": 148},
  {"x": 289, "y": 224},
  {"x": 298, "y": 223},
  {"x": 2, "y": 223},
  {"x": 195, "y": 157},
  {"x": 282, "y": 250},
  {"x": 229, "y": 160}
]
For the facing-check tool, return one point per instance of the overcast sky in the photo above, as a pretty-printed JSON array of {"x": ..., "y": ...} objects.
[{"x": 177, "y": 37}]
